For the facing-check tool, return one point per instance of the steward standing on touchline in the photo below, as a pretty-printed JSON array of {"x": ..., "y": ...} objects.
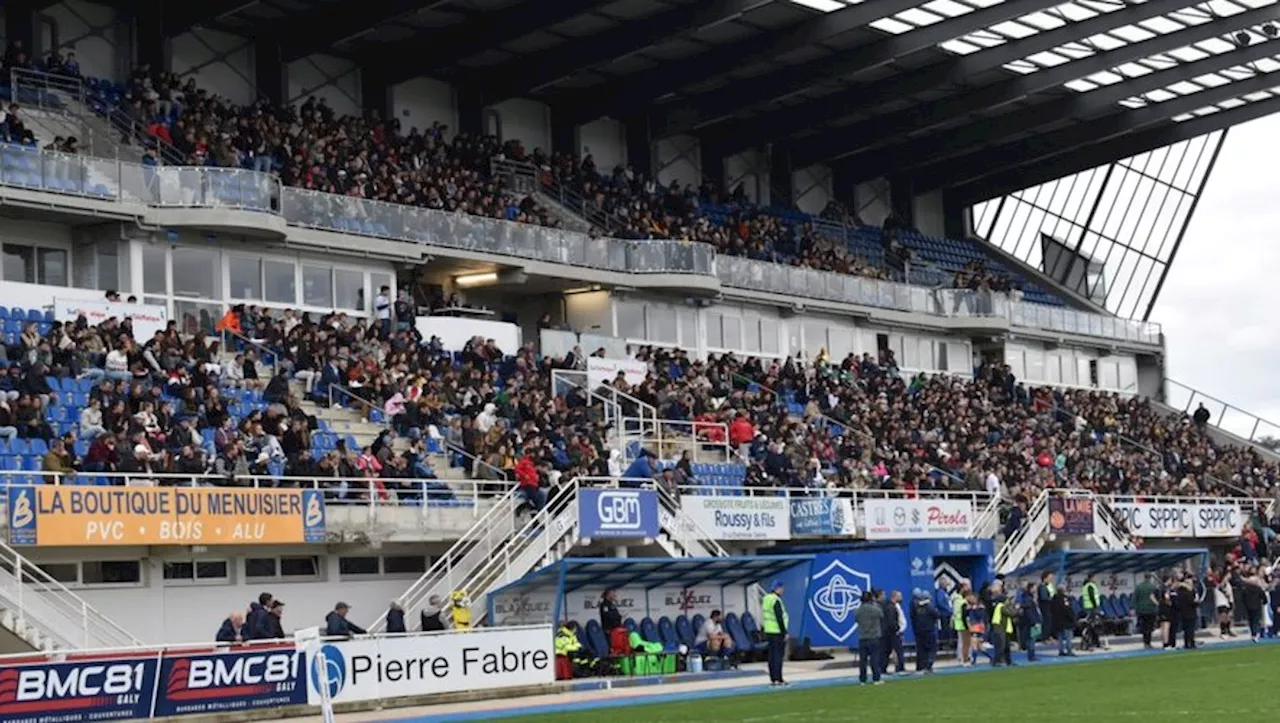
[{"x": 774, "y": 621}]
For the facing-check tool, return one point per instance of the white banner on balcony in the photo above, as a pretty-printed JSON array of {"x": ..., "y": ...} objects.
[
  {"x": 1175, "y": 519},
  {"x": 739, "y": 518},
  {"x": 604, "y": 370},
  {"x": 147, "y": 319},
  {"x": 898, "y": 519}
]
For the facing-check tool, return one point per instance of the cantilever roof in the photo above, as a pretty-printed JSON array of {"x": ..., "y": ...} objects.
[
  {"x": 652, "y": 572},
  {"x": 1072, "y": 562}
]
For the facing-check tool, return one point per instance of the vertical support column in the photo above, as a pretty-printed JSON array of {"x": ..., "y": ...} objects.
[
  {"x": 956, "y": 219},
  {"x": 712, "y": 162},
  {"x": 842, "y": 187},
  {"x": 782, "y": 192},
  {"x": 375, "y": 92},
  {"x": 20, "y": 26},
  {"x": 270, "y": 76},
  {"x": 902, "y": 199},
  {"x": 639, "y": 144},
  {"x": 470, "y": 111},
  {"x": 148, "y": 37},
  {"x": 564, "y": 132}
]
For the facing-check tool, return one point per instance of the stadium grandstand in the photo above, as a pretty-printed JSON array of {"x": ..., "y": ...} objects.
[{"x": 455, "y": 304}]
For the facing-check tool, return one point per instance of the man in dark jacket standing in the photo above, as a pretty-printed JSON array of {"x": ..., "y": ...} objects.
[
  {"x": 894, "y": 624},
  {"x": 1064, "y": 620},
  {"x": 1255, "y": 598},
  {"x": 395, "y": 618},
  {"x": 924, "y": 621},
  {"x": 1044, "y": 600},
  {"x": 1188, "y": 611},
  {"x": 336, "y": 624},
  {"x": 256, "y": 618}
]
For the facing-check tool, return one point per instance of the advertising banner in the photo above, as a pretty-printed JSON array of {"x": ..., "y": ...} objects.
[
  {"x": 897, "y": 519},
  {"x": 740, "y": 518},
  {"x": 633, "y": 602},
  {"x": 76, "y": 692},
  {"x": 146, "y": 319},
  {"x": 414, "y": 665},
  {"x": 63, "y": 515},
  {"x": 822, "y": 516},
  {"x": 1172, "y": 519},
  {"x": 1224, "y": 520},
  {"x": 1073, "y": 516},
  {"x": 223, "y": 682},
  {"x": 617, "y": 513},
  {"x": 601, "y": 371}
]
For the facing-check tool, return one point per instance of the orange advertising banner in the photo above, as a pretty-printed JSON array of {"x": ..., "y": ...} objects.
[{"x": 66, "y": 515}]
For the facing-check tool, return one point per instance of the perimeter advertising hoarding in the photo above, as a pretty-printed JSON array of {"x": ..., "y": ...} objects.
[{"x": 70, "y": 515}]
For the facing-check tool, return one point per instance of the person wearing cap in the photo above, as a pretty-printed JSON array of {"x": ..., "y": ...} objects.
[
  {"x": 774, "y": 621},
  {"x": 336, "y": 624}
]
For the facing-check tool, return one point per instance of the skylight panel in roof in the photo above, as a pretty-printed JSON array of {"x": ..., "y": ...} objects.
[
  {"x": 949, "y": 8},
  {"x": 1211, "y": 80},
  {"x": 960, "y": 47},
  {"x": 1081, "y": 85},
  {"x": 892, "y": 26},
  {"x": 1188, "y": 54},
  {"x": 1106, "y": 42},
  {"x": 1132, "y": 33},
  {"x": 826, "y": 6},
  {"x": 1185, "y": 87},
  {"x": 1048, "y": 59},
  {"x": 1014, "y": 29},
  {"x": 1043, "y": 20},
  {"x": 919, "y": 17}
]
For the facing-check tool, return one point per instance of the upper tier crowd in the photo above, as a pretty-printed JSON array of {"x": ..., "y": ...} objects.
[
  {"x": 369, "y": 157},
  {"x": 100, "y": 402}
]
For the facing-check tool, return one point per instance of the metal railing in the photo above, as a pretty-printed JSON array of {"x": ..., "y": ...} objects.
[
  {"x": 475, "y": 463},
  {"x": 685, "y": 531},
  {"x": 228, "y": 188},
  {"x": 472, "y": 549},
  {"x": 788, "y": 280},
  {"x": 345, "y": 491},
  {"x": 69, "y": 94},
  {"x": 1227, "y": 417},
  {"x": 35, "y": 598},
  {"x": 669, "y": 438},
  {"x": 263, "y": 350}
]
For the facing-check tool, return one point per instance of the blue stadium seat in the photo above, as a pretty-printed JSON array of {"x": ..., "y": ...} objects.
[
  {"x": 684, "y": 631},
  {"x": 667, "y": 631}
]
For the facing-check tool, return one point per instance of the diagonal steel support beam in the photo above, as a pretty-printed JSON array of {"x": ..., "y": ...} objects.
[
  {"x": 975, "y": 166},
  {"x": 413, "y": 57},
  {"x": 870, "y": 133},
  {"x": 793, "y": 79},
  {"x": 178, "y": 18},
  {"x": 953, "y": 72},
  {"x": 333, "y": 22},
  {"x": 1007, "y": 182},
  {"x": 1077, "y": 106},
  {"x": 529, "y": 73},
  {"x": 633, "y": 92}
]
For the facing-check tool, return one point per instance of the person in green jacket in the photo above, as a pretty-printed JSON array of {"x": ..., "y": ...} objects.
[{"x": 1146, "y": 603}]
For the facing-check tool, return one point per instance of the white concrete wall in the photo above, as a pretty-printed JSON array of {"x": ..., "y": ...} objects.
[
  {"x": 527, "y": 121},
  {"x": 678, "y": 159},
  {"x": 751, "y": 169},
  {"x": 231, "y": 77},
  {"x": 589, "y": 312},
  {"x": 873, "y": 201},
  {"x": 813, "y": 188},
  {"x": 78, "y": 26},
  {"x": 323, "y": 76},
  {"x": 1061, "y": 366},
  {"x": 606, "y": 140},
  {"x": 422, "y": 101},
  {"x": 930, "y": 217},
  {"x": 172, "y": 611}
]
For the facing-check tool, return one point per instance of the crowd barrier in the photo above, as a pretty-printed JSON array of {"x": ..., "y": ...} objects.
[{"x": 207, "y": 679}]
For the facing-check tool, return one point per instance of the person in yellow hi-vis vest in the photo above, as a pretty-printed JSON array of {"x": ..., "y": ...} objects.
[
  {"x": 774, "y": 622},
  {"x": 461, "y": 610}
]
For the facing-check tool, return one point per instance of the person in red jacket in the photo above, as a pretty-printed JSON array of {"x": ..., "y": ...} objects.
[
  {"x": 527, "y": 478},
  {"x": 741, "y": 432}
]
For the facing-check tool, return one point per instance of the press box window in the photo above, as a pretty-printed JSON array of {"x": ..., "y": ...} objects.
[
  {"x": 111, "y": 572},
  {"x": 348, "y": 566},
  {"x": 197, "y": 571},
  {"x": 63, "y": 572},
  {"x": 404, "y": 564}
]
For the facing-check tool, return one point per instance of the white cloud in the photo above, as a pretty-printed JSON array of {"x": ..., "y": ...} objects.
[{"x": 1218, "y": 307}]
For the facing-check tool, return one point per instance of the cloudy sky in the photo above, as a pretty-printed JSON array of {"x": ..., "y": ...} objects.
[{"x": 1218, "y": 304}]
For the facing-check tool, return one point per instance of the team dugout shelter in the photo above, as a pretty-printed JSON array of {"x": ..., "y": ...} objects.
[
  {"x": 1077, "y": 564},
  {"x": 734, "y": 580}
]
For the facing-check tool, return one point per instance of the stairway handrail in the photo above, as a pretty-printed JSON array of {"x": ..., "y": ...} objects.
[
  {"x": 700, "y": 534},
  {"x": 413, "y": 594},
  {"x": 75, "y": 607},
  {"x": 1222, "y": 415}
]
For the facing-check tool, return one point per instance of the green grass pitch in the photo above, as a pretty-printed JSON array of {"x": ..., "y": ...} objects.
[{"x": 1235, "y": 684}]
